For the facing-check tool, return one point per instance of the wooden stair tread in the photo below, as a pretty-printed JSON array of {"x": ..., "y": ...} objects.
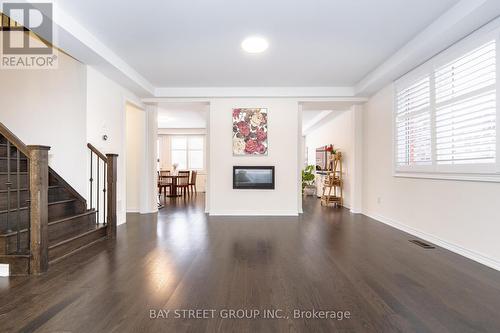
[
  {"x": 95, "y": 236},
  {"x": 14, "y": 190},
  {"x": 50, "y": 204},
  {"x": 68, "y": 247},
  {"x": 12, "y": 173},
  {"x": 61, "y": 201},
  {"x": 14, "y": 255},
  {"x": 83, "y": 234},
  {"x": 13, "y": 158},
  {"x": 25, "y": 189},
  {"x": 89, "y": 212},
  {"x": 64, "y": 219}
]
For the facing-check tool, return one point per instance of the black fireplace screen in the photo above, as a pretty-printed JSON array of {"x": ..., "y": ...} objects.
[{"x": 253, "y": 177}]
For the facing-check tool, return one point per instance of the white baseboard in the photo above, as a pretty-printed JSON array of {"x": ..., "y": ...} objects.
[
  {"x": 478, "y": 257},
  {"x": 151, "y": 211},
  {"x": 4, "y": 270},
  {"x": 253, "y": 213}
]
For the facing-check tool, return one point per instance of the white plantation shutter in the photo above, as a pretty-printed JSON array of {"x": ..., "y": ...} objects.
[
  {"x": 465, "y": 114},
  {"x": 446, "y": 121},
  {"x": 413, "y": 126}
]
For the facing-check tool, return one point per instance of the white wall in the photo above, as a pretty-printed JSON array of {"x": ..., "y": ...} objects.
[
  {"x": 65, "y": 108},
  {"x": 135, "y": 138},
  {"x": 336, "y": 130},
  {"x": 283, "y": 141},
  {"x": 106, "y": 102},
  {"x": 47, "y": 107},
  {"x": 460, "y": 215}
]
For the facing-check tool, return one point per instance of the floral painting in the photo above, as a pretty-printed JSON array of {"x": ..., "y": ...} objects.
[{"x": 250, "y": 132}]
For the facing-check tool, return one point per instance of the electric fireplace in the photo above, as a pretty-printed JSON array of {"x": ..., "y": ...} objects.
[{"x": 253, "y": 177}]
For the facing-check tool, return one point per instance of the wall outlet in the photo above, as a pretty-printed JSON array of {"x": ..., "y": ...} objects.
[
  {"x": 4, "y": 269},
  {"x": 379, "y": 200}
]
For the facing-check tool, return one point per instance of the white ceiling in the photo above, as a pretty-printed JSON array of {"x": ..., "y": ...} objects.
[
  {"x": 311, "y": 118},
  {"x": 316, "y": 113},
  {"x": 182, "y": 115},
  {"x": 197, "y": 43},
  {"x": 308, "y": 117}
]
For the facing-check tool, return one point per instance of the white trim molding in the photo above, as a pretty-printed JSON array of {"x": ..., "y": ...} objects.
[
  {"x": 489, "y": 178},
  {"x": 4, "y": 270},
  {"x": 473, "y": 255},
  {"x": 221, "y": 92}
]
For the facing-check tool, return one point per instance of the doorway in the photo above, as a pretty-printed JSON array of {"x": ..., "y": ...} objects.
[
  {"x": 332, "y": 130},
  {"x": 182, "y": 154}
]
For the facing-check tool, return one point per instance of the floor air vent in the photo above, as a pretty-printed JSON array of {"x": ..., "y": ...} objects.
[{"x": 422, "y": 244}]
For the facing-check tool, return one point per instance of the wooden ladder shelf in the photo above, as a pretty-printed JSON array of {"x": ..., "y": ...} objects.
[{"x": 333, "y": 184}]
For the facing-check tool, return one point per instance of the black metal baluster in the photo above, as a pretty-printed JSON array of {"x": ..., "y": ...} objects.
[
  {"x": 91, "y": 180},
  {"x": 18, "y": 200},
  {"x": 9, "y": 185},
  {"x": 98, "y": 189},
  {"x": 104, "y": 194}
]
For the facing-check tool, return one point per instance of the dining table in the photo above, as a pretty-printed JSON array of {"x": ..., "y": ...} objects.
[{"x": 173, "y": 185}]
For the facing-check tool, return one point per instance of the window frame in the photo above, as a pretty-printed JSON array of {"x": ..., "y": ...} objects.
[
  {"x": 472, "y": 172},
  {"x": 188, "y": 149}
]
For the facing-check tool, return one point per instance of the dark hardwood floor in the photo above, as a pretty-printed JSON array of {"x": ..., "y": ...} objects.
[{"x": 327, "y": 259}]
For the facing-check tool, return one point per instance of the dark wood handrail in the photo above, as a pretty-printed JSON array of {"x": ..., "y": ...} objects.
[
  {"x": 97, "y": 152},
  {"x": 13, "y": 139}
]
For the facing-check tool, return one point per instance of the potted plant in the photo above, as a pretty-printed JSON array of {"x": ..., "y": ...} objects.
[{"x": 308, "y": 187}]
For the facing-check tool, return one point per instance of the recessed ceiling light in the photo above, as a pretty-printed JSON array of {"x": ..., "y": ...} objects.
[{"x": 254, "y": 44}]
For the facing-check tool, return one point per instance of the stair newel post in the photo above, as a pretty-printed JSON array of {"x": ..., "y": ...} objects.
[
  {"x": 39, "y": 187},
  {"x": 111, "y": 166}
]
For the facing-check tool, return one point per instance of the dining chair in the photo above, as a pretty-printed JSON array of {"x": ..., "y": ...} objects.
[
  {"x": 159, "y": 183},
  {"x": 183, "y": 182},
  {"x": 163, "y": 182},
  {"x": 192, "y": 181}
]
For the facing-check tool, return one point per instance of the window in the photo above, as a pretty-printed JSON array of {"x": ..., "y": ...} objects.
[
  {"x": 413, "y": 124},
  {"x": 466, "y": 108},
  {"x": 188, "y": 152},
  {"x": 446, "y": 113}
]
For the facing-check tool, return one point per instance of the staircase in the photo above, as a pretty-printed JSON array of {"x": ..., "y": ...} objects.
[{"x": 38, "y": 230}]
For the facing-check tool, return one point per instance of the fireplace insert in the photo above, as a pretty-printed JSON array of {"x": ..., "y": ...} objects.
[{"x": 253, "y": 177}]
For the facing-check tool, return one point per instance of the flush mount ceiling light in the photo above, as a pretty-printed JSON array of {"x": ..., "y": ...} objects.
[{"x": 254, "y": 44}]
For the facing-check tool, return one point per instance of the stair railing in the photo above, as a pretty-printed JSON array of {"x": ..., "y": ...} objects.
[
  {"x": 102, "y": 188},
  {"x": 13, "y": 191},
  {"x": 32, "y": 238}
]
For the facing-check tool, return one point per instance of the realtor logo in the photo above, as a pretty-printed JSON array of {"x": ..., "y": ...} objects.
[{"x": 27, "y": 36}]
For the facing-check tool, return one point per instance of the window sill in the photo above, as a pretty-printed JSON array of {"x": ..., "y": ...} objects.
[{"x": 491, "y": 178}]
